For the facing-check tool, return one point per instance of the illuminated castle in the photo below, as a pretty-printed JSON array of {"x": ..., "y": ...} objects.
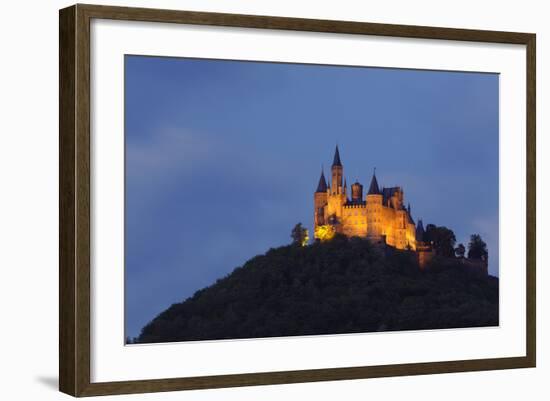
[{"x": 379, "y": 216}]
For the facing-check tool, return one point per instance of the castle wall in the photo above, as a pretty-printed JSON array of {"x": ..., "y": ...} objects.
[
  {"x": 320, "y": 212},
  {"x": 375, "y": 217},
  {"x": 366, "y": 219},
  {"x": 392, "y": 224},
  {"x": 335, "y": 206},
  {"x": 424, "y": 257},
  {"x": 354, "y": 220},
  {"x": 410, "y": 236}
]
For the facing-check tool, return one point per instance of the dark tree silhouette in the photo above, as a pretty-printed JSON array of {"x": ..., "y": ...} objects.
[
  {"x": 299, "y": 235},
  {"x": 442, "y": 238},
  {"x": 460, "y": 250},
  {"x": 477, "y": 248}
]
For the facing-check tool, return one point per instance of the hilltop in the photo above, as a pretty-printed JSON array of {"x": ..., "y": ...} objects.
[{"x": 339, "y": 286}]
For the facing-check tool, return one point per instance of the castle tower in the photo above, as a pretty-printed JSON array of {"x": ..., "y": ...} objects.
[
  {"x": 374, "y": 189},
  {"x": 420, "y": 231},
  {"x": 356, "y": 192},
  {"x": 397, "y": 199},
  {"x": 337, "y": 194},
  {"x": 345, "y": 192},
  {"x": 336, "y": 187},
  {"x": 320, "y": 201},
  {"x": 374, "y": 210}
]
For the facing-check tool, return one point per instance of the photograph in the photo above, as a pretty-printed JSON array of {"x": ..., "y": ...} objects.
[
  {"x": 275, "y": 200},
  {"x": 270, "y": 199}
]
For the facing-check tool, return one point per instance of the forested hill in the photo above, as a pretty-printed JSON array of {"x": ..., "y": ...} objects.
[{"x": 339, "y": 286}]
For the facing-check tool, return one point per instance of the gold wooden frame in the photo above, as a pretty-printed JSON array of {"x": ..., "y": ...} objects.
[{"x": 74, "y": 199}]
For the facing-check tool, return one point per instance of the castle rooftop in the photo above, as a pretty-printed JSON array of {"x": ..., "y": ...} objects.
[
  {"x": 373, "y": 188},
  {"x": 336, "y": 161}
]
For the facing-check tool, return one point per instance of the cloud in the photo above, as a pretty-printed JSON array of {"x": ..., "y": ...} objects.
[{"x": 170, "y": 150}]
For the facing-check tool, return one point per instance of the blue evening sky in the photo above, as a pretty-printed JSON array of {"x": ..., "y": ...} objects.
[{"x": 223, "y": 157}]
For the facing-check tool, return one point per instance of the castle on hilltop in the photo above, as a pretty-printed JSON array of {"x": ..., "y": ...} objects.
[{"x": 380, "y": 216}]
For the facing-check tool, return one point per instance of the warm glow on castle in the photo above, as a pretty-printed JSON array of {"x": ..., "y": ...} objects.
[{"x": 379, "y": 216}]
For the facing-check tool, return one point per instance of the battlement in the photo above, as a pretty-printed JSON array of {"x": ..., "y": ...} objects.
[{"x": 355, "y": 205}]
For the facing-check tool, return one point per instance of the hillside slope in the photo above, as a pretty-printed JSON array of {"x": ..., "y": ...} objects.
[{"x": 341, "y": 286}]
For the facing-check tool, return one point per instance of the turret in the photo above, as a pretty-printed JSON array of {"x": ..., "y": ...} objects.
[
  {"x": 320, "y": 201},
  {"x": 409, "y": 215},
  {"x": 322, "y": 186},
  {"x": 397, "y": 199},
  {"x": 374, "y": 196},
  {"x": 374, "y": 209},
  {"x": 356, "y": 192},
  {"x": 336, "y": 186},
  {"x": 420, "y": 231}
]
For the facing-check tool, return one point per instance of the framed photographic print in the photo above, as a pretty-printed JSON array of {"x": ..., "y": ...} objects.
[{"x": 250, "y": 200}]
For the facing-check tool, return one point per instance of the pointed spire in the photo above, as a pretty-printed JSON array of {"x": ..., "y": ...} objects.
[
  {"x": 409, "y": 215},
  {"x": 373, "y": 189},
  {"x": 322, "y": 187},
  {"x": 420, "y": 231},
  {"x": 337, "y": 161}
]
